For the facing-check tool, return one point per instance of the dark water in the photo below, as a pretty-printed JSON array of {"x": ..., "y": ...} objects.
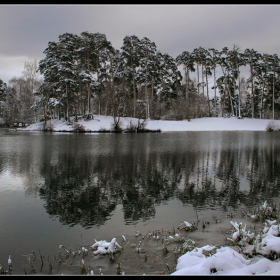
[{"x": 70, "y": 188}]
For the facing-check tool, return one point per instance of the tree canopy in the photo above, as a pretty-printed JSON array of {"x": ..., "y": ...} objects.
[{"x": 86, "y": 74}]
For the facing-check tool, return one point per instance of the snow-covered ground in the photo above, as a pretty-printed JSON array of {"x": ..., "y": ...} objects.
[
  {"x": 199, "y": 124},
  {"x": 225, "y": 261},
  {"x": 208, "y": 260}
]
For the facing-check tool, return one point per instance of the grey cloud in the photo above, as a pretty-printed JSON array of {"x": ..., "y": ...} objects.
[{"x": 25, "y": 30}]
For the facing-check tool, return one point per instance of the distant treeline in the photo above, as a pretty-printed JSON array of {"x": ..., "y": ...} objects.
[{"x": 85, "y": 73}]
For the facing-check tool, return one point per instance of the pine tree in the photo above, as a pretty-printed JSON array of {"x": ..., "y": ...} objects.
[
  {"x": 213, "y": 61},
  {"x": 3, "y": 88},
  {"x": 251, "y": 58},
  {"x": 132, "y": 53},
  {"x": 67, "y": 69},
  {"x": 186, "y": 59},
  {"x": 146, "y": 73}
]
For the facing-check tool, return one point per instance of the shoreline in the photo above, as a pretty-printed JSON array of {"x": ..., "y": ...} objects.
[{"x": 104, "y": 124}]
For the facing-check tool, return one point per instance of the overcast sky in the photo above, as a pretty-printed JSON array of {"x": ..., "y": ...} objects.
[{"x": 25, "y": 30}]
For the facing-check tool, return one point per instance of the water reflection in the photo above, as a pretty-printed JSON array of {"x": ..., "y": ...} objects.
[{"x": 82, "y": 178}]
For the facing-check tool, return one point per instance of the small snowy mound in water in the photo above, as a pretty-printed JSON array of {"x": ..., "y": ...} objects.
[{"x": 104, "y": 247}]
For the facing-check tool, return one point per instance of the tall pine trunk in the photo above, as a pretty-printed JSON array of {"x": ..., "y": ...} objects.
[
  {"x": 134, "y": 91},
  {"x": 67, "y": 104}
]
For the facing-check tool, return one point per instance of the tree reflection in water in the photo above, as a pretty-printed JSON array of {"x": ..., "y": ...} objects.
[{"x": 85, "y": 189}]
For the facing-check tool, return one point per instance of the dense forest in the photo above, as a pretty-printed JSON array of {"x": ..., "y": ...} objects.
[{"x": 85, "y": 73}]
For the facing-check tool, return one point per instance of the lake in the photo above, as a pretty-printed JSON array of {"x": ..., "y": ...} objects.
[{"x": 73, "y": 188}]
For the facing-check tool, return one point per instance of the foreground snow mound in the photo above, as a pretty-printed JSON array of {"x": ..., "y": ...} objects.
[
  {"x": 226, "y": 261},
  {"x": 104, "y": 247}
]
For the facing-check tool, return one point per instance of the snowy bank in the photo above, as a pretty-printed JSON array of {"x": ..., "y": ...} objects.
[{"x": 104, "y": 123}]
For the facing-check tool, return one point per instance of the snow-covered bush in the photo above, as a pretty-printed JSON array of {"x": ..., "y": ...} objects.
[
  {"x": 265, "y": 243},
  {"x": 272, "y": 126},
  {"x": 131, "y": 127},
  {"x": 78, "y": 127},
  {"x": 264, "y": 212},
  {"x": 116, "y": 125},
  {"x": 48, "y": 126}
]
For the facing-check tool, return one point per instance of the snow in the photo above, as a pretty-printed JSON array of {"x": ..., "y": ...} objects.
[
  {"x": 209, "y": 260},
  {"x": 198, "y": 124},
  {"x": 226, "y": 261}
]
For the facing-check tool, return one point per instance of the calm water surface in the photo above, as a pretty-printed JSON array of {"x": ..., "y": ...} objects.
[{"x": 70, "y": 188}]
